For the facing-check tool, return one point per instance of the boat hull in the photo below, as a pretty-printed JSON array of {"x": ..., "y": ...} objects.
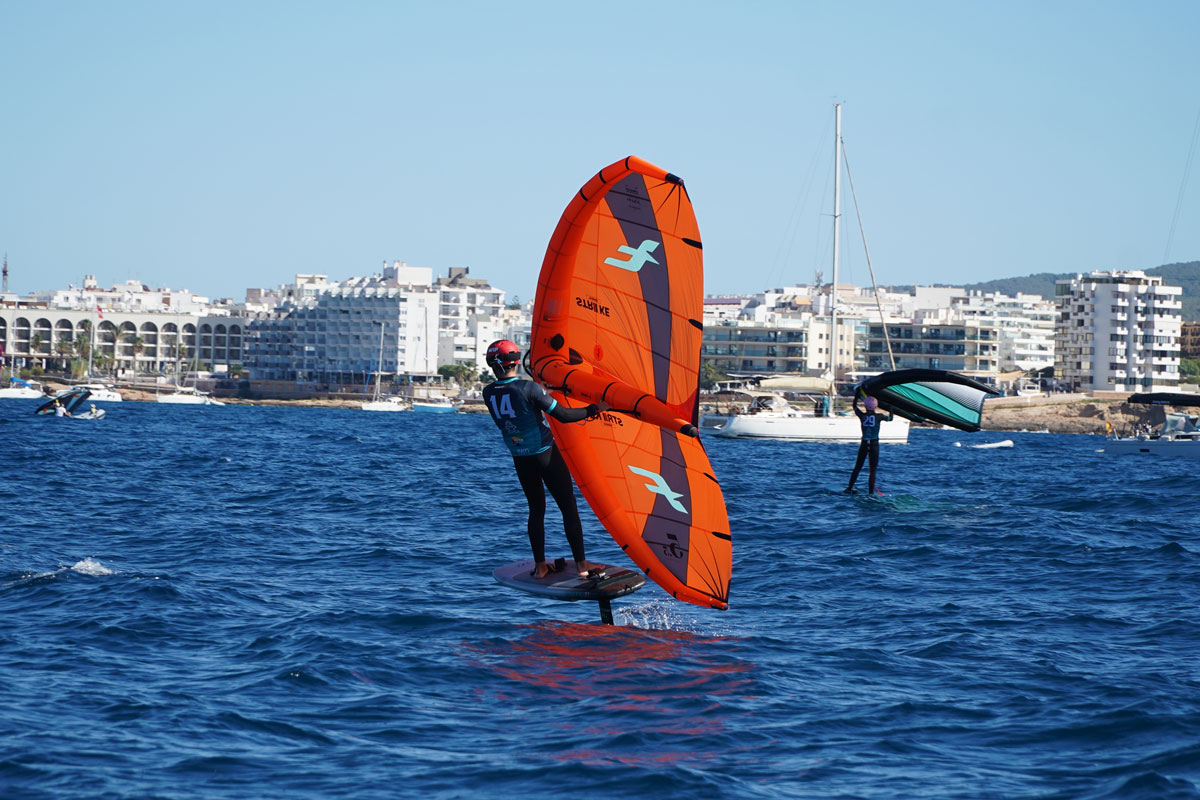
[
  {"x": 101, "y": 393},
  {"x": 188, "y": 400},
  {"x": 1179, "y": 448},
  {"x": 21, "y": 394},
  {"x": 384, "y": 405},
  {"x": 433, "y": 408},
  {"x": 807, "y": 428}
]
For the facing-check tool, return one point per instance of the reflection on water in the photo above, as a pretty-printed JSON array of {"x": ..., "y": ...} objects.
[{"x": 659, "y": 689}]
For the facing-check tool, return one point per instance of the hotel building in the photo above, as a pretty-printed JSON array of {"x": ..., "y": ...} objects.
[{"x": 1118, "y": 331}]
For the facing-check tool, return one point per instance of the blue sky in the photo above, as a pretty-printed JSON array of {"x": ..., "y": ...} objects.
[{"x": 216, "y": 146}]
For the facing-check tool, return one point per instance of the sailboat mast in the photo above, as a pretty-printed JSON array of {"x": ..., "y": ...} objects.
[
  {"x": 379, "y": 365},
  {"x": 91, "y": 343},
  {"x": 837, "y": 216}
]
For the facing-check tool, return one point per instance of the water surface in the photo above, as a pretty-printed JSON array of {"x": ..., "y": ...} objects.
[{"x": 290, "y": 602}]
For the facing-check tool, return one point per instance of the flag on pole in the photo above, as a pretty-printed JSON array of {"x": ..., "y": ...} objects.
[{"x": 98, "y": 314}]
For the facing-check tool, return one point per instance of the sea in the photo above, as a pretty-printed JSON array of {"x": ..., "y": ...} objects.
[{"x": 240, "y": 602}]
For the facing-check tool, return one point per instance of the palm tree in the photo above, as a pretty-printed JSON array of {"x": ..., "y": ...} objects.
[
  {"x": 119, "y": 335},
  {"x": 139, "y": 344},
  {"x": 83, "y": 344},
  {"x": 35, "y": 343},
  {"x": 63, "y": 348}
]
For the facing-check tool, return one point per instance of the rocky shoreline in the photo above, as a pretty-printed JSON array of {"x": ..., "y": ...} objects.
[{"x": 1066, "y": 414}]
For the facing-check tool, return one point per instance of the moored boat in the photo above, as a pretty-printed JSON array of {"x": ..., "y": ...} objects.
[
  {"x": 436, "y": 405},
  {"x": 188, "y": 396},
  {"x": 1178, "y": 434},
  {"x": 103, "y": 392},
  {"x": 18, "y": 389},
  {"x": 393, "y": 403},
  {"x": 771, "y": 417}
]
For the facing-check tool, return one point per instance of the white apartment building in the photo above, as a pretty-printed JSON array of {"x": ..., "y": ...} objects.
[
  {"x": 750, "y": 347},
  {"x": 774, "y": 344},
  {"x": 129, "y": 329},
  {"x": 1118, "y": 331},
  {"x": 1023, "y": 325},
  {"x": 327, "y": 332},
  {"x": 469, "y": 317},
  {"x": 788, "y": 330},
  {"x": 130, "y": 296},
  {"x": 934, "y": 338},
  {"x": 123, "y": 343}
]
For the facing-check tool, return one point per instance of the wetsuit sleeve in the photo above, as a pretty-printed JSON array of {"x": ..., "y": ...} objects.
[
  {"x": 537, "y": 396},
  {"x": 858, "y": 411},
  {"x": 564, "y": 414},
  {"x": 540, "y": 398}
]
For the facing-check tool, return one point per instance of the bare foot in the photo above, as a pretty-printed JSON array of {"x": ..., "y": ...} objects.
[
  {"x": 583, "y": 567},
  {"x": 543, "y": 569}
]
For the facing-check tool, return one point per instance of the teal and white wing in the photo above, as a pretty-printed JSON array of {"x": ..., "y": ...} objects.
[{"x": 930, "y": 395}]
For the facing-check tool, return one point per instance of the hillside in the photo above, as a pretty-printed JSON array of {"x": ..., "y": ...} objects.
[{"x": 1185, "y": 275}]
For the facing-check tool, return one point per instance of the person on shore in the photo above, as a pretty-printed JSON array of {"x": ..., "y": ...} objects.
[
  {"x": 868, "y": 448},
  {"x": 518, "y": 407}
]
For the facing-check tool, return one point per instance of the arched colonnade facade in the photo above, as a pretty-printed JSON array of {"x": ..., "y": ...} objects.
[{"x": 125, "y": 343}]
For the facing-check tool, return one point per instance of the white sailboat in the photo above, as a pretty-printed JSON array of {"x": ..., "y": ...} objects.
[
  {"x": 101, "y": 392},
  {"x": 377, "y": 401},
  {"x": 781, "y": 421},
  {"x": 187, "y": 395}
]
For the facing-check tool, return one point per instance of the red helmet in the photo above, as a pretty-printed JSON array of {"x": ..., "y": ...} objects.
[{"x": 503, "y": 353}]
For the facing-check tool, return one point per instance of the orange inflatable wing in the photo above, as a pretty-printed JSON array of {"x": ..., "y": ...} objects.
[{"x": 617, "y": 319}]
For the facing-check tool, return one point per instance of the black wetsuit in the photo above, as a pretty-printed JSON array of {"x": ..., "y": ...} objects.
[
  {"x": 516, "y": 407},
  {"x": 868, "y": 447}
]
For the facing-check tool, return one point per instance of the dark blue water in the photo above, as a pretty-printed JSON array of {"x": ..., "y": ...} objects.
[{"x": 248, "y": 602}]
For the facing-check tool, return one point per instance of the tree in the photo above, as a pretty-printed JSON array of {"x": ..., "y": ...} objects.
[
  {"x": 35, "y": 344},
  {"x": 63, "y": 348},
  {"x": 139, "y": 344},
  {"x": 710, "y": 374},
  {"x": 1189, "y": 367},
  {"x": 118, "y": 335},
  {"x": 463, "y": 374},
  {"x": 83, "y": 343}
]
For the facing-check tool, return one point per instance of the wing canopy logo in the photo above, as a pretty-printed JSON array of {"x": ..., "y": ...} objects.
[
  {"x": 660, "y": 487},
  {"x": 638, "y": 256},
  {"x": 592, "y": 305}
]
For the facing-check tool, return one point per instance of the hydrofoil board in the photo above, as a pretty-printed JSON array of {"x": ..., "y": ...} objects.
[{"x": 606, "y": 582}]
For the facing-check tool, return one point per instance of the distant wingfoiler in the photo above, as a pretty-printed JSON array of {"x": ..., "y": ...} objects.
[
  {"x": 617, "y": 320},
  {"x": 930, "y": 395}
]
